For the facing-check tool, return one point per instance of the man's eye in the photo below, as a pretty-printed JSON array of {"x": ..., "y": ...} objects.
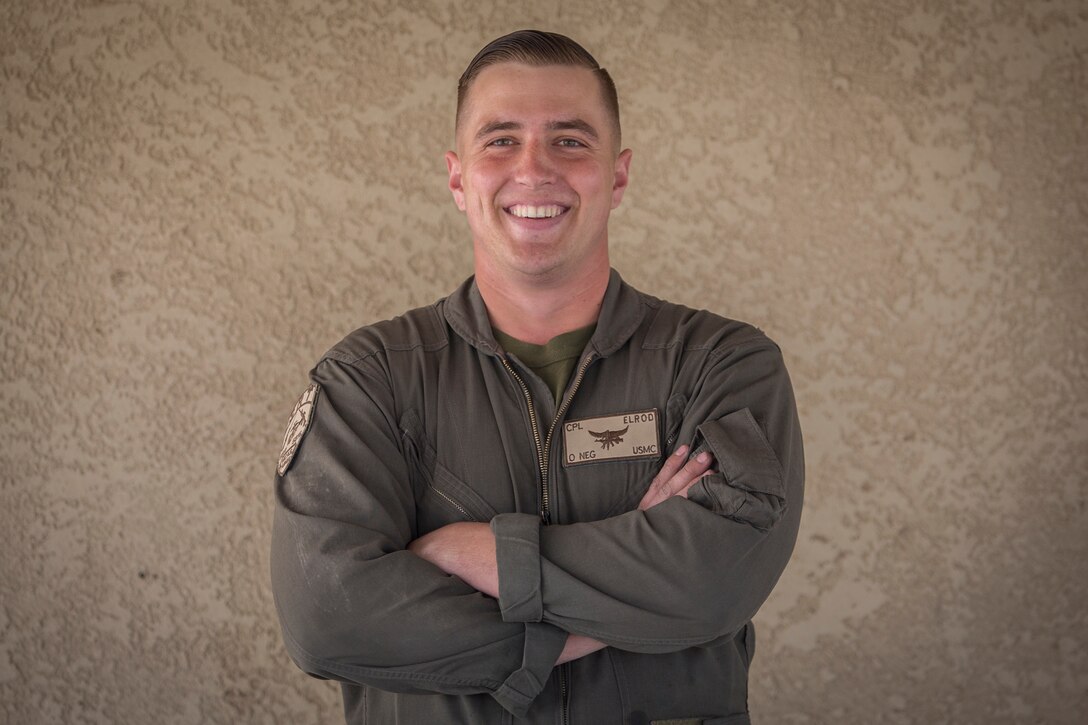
[
  {"x": 571, "y": 143},
  {"x": 501, "y": 142}
]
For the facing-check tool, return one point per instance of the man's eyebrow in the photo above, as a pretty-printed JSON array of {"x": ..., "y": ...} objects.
[
  {"x": 496, "y": 126},
  {"x": 572, "y": 124}
]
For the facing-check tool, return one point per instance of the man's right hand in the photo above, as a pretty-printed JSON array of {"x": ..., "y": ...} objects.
[{"x": 676, "y": 476}]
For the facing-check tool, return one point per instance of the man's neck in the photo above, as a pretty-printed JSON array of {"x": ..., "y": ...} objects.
[{"x": 537, "y": 312}]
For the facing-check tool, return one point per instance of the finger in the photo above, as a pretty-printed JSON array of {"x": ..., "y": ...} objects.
[
  {"x": 681, "y": 480},
  {"x": 686, "y": 489},
  {"x": 651, "y": 498},
  {"x": 672, "y": 465},
  {"x": 659, "y": 485},
  {"x": 694, "y": 468},
  {"x": 690, "y": 471}
]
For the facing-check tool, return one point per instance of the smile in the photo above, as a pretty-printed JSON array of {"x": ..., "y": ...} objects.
[{"x": 527, "y": 211}]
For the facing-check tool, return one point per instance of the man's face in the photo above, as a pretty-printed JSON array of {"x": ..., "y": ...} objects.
[{"x": 537, "y": 171}]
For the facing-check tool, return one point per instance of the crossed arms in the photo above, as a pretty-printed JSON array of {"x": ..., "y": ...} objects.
[{"x": 467, "y": 550}]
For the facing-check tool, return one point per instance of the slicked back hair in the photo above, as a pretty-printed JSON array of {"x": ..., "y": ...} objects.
[{"x": 539, "y": 48}]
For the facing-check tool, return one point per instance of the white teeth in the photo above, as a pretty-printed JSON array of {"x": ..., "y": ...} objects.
[{"x": 525, "y": 211}]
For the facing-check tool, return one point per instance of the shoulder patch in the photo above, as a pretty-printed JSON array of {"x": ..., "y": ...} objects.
[{"x": 297, "y": 427}]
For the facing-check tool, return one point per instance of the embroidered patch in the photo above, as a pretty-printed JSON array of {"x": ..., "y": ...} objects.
[
  {"x": 611, "y": 438},
  {"x": 297, "y": 427}
]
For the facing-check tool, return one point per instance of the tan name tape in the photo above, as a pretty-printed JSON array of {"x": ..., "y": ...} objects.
[{"x": 611, "y": 438}]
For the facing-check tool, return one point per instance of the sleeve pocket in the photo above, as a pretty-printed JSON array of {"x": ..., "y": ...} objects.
[
  {"x": 463, "y": 498},
  {"x": 748, "y": 485},
  {"x": 441, "y": 498}
]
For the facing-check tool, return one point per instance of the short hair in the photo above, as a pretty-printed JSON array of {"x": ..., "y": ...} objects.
[{"x": 539, "y": 48}]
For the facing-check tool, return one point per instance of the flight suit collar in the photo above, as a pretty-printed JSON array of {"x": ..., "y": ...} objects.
[{"x": 622, "y": 311}]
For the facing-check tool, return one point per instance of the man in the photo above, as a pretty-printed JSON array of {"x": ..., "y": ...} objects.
[{"x": 548, "y": 497}]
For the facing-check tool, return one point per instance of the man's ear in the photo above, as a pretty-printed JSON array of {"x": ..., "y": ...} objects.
[
  {"x": 453, "y": 165},
  {"x": 622, "y": 172}
]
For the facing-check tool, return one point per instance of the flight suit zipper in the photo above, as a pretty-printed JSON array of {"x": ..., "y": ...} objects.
[
  {"x": 543, "y": 454},
  {"x": 564, "y": 693},
  {"x": 459, "y": 507},
  {"x": 543, "y": 448}
]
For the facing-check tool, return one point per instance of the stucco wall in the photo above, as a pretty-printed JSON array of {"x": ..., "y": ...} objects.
[{"x": 198, "y": 198}]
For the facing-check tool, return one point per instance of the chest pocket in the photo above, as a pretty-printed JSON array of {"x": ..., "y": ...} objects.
[{"x": 441, "y": 498}]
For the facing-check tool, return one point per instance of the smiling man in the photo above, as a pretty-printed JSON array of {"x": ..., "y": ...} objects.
[
  {"x": 537, "y": 171},
  {"x": 548, "y": 497}
]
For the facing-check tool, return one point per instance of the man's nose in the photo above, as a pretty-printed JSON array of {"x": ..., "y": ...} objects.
[{"x": 535, "y": 165}]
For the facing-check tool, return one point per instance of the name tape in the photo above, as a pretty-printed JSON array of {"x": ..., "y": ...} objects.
[{"x": 611, "y": 438}]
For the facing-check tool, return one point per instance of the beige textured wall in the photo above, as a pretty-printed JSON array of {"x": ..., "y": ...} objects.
[{"x": 198, "y": 198}]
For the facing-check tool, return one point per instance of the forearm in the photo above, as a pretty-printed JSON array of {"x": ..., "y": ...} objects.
[
  {"x": 467, "y": 551},
  {"x": 673, "y": 576},
  {"x": 657, "y": 581}
]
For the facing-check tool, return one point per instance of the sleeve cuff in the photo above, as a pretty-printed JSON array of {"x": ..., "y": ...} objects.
[
  {"x": 749, "y": 486},
  {"x": 543, "y": 645},
  {"x": 517, "y": 551}
]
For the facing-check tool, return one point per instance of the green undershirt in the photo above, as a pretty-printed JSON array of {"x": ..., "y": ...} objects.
[{"x": 554, "y": 361}]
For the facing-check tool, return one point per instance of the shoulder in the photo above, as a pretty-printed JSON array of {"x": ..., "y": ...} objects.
[
  {"x": 420, "y": 330},
  {"x": 672, "y": 325}
]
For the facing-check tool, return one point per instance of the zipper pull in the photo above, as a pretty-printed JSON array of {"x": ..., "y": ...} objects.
[{"x": 546, "y": 518}]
